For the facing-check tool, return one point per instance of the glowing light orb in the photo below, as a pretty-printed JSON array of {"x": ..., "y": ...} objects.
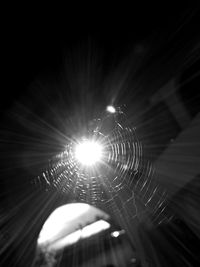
[
  {"x": 111, "y": 109},
  {"x": 88, "y": 152}
]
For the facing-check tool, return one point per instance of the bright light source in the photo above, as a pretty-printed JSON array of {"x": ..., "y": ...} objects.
[
  {"x": 111, "y": 109},
  {"x": 117, "y": 233},
  {"x": 88, "y": 152}
]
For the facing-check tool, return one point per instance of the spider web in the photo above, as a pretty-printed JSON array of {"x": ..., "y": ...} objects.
[{"x": 124, "y": 180}]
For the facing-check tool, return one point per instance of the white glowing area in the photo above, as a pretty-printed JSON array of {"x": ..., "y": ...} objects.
[
  {"x": 70, "y": 223},
  {"x": 53, "y": 227},
  {"x": 111, "y": 109},
  {"x": 85, "y": 232},
  {"x": 117, "y": 233},
  {"x": 88, "y": 152}
]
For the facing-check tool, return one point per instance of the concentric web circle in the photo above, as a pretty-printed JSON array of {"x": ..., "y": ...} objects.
[{"x": 120, "y": 178}]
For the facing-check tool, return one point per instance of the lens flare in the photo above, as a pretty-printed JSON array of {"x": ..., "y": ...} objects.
[
  {"x": 111, "y": 109},
  {"x": 88, "y": 152}
]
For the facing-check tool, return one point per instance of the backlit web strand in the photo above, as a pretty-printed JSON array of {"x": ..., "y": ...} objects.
[{"x": 122, "y": 175}]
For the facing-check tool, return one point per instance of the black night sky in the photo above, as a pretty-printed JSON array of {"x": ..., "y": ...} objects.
[
  {"x": 37, "y": 46},
  {"x": 46, "y": 58}
]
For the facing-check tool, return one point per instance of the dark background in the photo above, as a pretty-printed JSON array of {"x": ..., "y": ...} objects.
[
  {"x": 146, "y": 44},
  {"x": 36, "y": 44}
]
